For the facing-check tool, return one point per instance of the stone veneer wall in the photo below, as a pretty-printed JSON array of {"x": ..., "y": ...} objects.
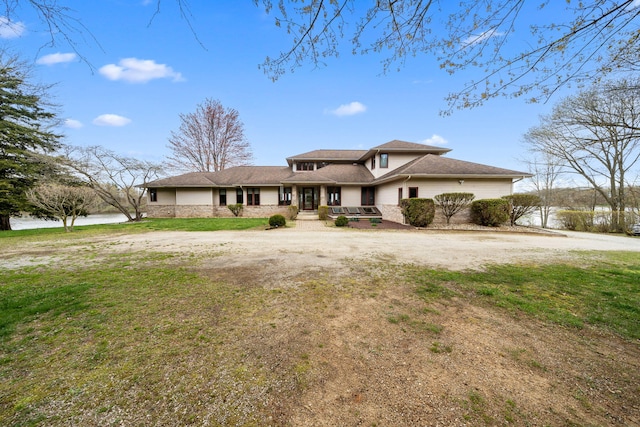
[
  {"x": 393, "y": 213},
  {"x": 161, "y": 211},
  {"x": 208, "y": 211}
]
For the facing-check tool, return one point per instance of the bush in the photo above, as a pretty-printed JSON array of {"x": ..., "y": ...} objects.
[
  {"x": 236, "y": 209},
  {"x": 292, "y": 212},
  {"x": 490, "y": 212},
  {"x": 277, "y": 220},
  {"x": 521, "y": 205},
  {"x": 576, "y": 220},
  {"x": 342, "y": 221},
  {"x": 418, "y": 212},
  {"x": 452, "y": 203},
  {"x": 323, "y": 212}
]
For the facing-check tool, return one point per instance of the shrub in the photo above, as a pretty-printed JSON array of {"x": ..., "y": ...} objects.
[
  {"x": 521, "y": 205},
  {"x": 277, "y": 220},
  {"x": 418, "y": 212},
  {"x": 292, "y": 212},
  {"x": 490, "y": 212},
  {"x": 342, "y": 221},
  {"x": 323, "y": 212},
  {"x": 452, "y": 203},
  {"x": 236, "y": 209},
  {"x": 575, "y": 220}
]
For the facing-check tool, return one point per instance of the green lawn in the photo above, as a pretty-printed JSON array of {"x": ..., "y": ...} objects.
[{"x": 604, "y": 293}]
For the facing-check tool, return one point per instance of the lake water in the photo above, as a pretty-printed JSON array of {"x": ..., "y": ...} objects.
[{"x": 27, "y": 222}]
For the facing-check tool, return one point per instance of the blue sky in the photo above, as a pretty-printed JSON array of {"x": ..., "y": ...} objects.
[{"x": 143, "y": 76}]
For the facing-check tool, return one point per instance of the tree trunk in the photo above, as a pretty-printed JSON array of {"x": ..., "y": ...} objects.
[{"x": 5, "y": 223}]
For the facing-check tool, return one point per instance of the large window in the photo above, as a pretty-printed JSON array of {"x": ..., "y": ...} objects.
[
  {"x": 413, "y": 192},
  {"x": 153, "y": 194},
  {"x": 384, "y": 160},
  {"x": 239, "y": 196},
  {"x": 223, "y": 196},
  {"x": 333, "y": 196},
  {"x": 253, "y": 196},
  {"x": 368, "y": 196},
  {"x": 284, "y": 196},
  {"x": 305, "y": 166}
]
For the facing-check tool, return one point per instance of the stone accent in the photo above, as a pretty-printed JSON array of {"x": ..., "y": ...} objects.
[
  {"x": 392, "y": 213},
  {"x": 161, "y": 211},
  {"x": 193, "y": 211}
]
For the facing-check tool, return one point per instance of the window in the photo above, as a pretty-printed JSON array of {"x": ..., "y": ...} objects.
[
  {"x": 223, "y": 197},
  {"x": 284, "y": 196},
  {"x": 253, "y": 196},
  {"x": 305, "y": 166},
  {"x": 373, "y": 162},
  {"x": 239, "y": 196},
  {"x": 333, "y": 196},
  {"x": 384, "y": 160},
  {"x": 153, "y": 194},
  {"x": 368, "y": 196},
  {"x": 399, "y": 195},
  {"x": 413, "y": 192}
]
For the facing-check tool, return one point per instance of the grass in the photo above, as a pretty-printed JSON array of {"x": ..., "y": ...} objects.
[
  {"x": 162, "y": 339},
  {"x": 151, "y": 224},
  {"x": 603, "y": 292}
]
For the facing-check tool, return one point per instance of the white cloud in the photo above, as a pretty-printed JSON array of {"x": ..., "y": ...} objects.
[
  {"x": 135, "y": 70},
  {"x": 111, "y": 120},
  {"x": 435, "y": 140},
  {"x": 634, "y": 4},
  {"x": 73, "y": 124},
  {"x": 56, "y": 58},
  {"x": 348, "y": 109},
  {"x": 10, "y": 29},
  {"x": 481, "y": 37}
]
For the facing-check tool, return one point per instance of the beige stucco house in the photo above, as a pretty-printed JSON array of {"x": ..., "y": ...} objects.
[{"x": 351, "y": 182}]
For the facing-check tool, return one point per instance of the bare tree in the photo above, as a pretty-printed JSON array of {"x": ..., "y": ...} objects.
[
  {"x": 65, "y": 202},
  {"x": 209, "y": 139},
  {"x": 519, "y": 46},
  {"x": 545, "y": 170},
  {"x": 116, "y": 179},
  {"x": 596, "y": 134}
]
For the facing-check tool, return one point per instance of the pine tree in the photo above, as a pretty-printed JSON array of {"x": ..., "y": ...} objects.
[{"x": 24, "y": 132}]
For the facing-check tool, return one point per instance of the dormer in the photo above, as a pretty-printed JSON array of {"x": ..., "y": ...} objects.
[{"x": 317, "y": 159}]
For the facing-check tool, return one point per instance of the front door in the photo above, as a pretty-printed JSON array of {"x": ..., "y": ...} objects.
[{"x": 309, "y": 199}]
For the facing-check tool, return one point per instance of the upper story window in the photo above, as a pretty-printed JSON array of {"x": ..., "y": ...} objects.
[
  {"x": 373, "y": 162},
  {"x": 153, "y": 194},
  {"x": 384, "y": 160},
  {"x": 305, "y": 166}
]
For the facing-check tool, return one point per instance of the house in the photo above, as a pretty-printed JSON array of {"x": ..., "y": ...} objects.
[{"x": 351, "y": 182}]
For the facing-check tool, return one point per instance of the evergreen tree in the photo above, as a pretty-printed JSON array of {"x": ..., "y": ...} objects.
[{"x": 24, "y": 133}]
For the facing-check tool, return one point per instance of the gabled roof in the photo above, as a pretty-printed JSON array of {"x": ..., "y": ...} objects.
[
  {"x": 344, "y": 156},
  {"x": 434, "y": 166},
  {"x": 397, "y": 146},
  {"x": 333, "y": 174}
]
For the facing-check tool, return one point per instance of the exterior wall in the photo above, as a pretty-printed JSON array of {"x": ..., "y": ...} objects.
[
  {"x": 395, "y": 161},
  {"x": 351, "y": 195},
  {"x": 155, "y": 210},
  {"x": 387, "y": 195},
  {"x": 166, "y": 196},
  {"x": 194, "y": 196}
]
